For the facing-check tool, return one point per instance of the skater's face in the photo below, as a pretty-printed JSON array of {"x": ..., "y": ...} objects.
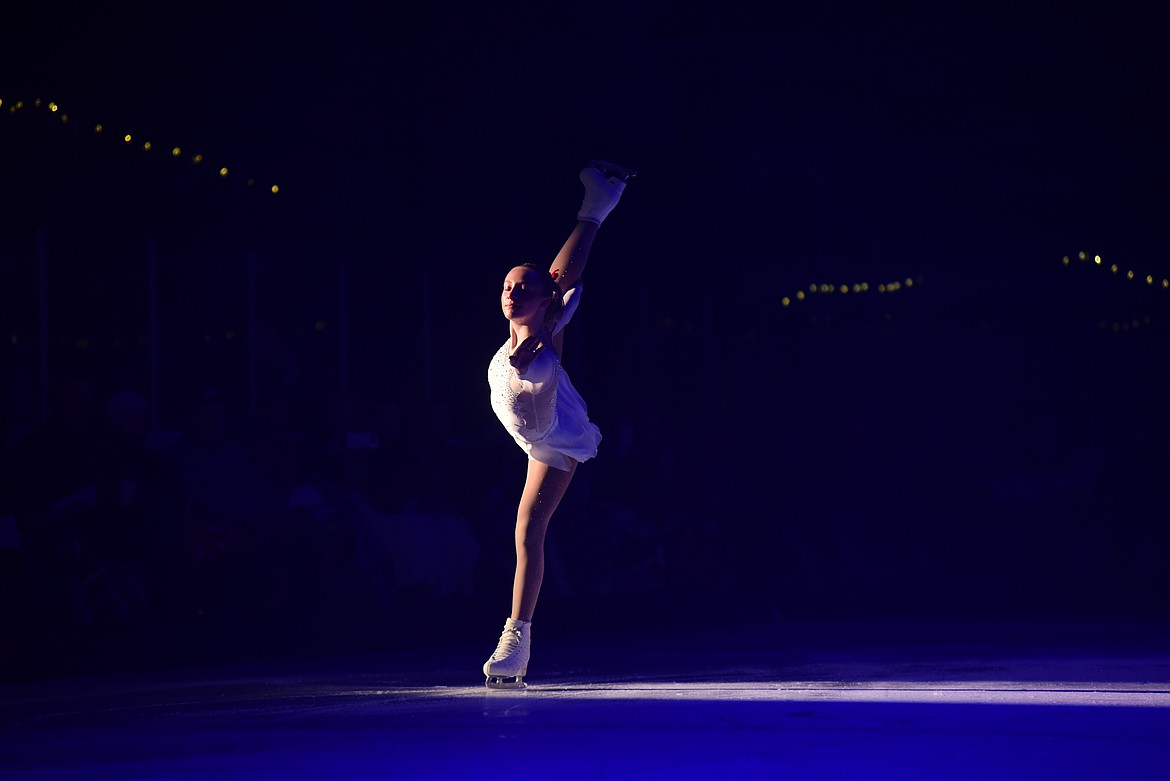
[{"x": 525, "y": 296}]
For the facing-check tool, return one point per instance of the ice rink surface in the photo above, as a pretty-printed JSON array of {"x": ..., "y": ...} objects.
[{"x": 767, "y": 701}]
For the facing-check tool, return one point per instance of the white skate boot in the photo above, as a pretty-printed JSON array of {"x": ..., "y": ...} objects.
[
  {"x": 509, "y": 664},
  {"x": 604, "y": 183}
]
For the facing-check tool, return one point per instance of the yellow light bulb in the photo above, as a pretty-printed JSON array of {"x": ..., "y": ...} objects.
[
  {"x": 1097, "y": 259},
  {"x": 52, "y": 106},
  {"x": 1064, "y": 260},
  {"x": 1166, "y": 283},
  {"x": 1113, "y": 268},
  {"x": 844, "y": 288},
  {"x": 223, "y": 172},
  {"x": 176, "y": 152},
  {"x": 909, "y": 282},
  {"x": 1149, "y": 279},
  {"x": 800, "y": 295},
  {"x": 126, "y": 138},
  {"x": 1081, "y": 254},
  {"x": 1129, "y": 275},
  {"x": 197, "y": 159},
  {"x": 275, "y": 188},
  {"x": 146, "y": 146},
  {"x": 98, "y": 128},
  {"x": 785, "y": 301}
]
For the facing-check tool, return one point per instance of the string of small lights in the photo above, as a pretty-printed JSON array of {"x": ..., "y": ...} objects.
[
  {"x": 1120, "y": 326},
  {"x": 147, "y": 146},
  {"x": 130, "y": 139},
  {"x": 1151, "y": 281},
  {"x": 856, "y": 288},
  {"x": 1130, "y": 274}
]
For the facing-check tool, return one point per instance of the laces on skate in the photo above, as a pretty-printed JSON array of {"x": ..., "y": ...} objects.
[
  {"x": 509, "y": 643},
  {"x": 507, "y": 666}
]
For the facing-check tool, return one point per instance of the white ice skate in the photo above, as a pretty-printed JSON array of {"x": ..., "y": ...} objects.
[
  {"x": 506, "y": 668},
  {"x": 604, "y": 183}
]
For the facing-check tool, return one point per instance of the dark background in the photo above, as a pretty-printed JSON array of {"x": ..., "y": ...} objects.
[{"x": 987, "y": 440}]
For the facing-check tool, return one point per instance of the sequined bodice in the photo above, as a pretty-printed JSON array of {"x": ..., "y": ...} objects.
[{"x": 526, "y": 404}]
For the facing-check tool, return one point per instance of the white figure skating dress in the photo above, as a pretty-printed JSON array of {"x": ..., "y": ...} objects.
[{"x": 540, "y": 408}]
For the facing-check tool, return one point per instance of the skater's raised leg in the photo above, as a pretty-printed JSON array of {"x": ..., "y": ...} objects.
[{"x": 602, "y": 193}]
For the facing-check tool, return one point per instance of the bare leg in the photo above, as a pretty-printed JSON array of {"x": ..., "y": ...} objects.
[
  {"x": 570, "y": 261},
  {"x": 543, "y": 490}
]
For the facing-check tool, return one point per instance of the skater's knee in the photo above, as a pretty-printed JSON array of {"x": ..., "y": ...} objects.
[
  {"x": 529, "y": 543},
  {"x": 529, "y": 537}
]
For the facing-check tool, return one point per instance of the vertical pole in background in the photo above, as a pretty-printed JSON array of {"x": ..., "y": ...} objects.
[
  {"x": 427, "y": 363},
  {"x": 253, "y": 335},
  {"x": 648, "y": 327},
  {"x": 152, "y": 329},
  {"x": 43, "y": 325},
  {"x": 343, "y": 327}
]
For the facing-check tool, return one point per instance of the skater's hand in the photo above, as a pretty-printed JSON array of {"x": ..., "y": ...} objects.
[{"x": 525, "y": 353}]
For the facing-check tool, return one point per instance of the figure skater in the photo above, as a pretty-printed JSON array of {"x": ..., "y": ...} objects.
[{"x": 533, "y": 398}]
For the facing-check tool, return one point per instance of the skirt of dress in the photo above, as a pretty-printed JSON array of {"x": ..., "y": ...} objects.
[{"x": 572, "y": 437}]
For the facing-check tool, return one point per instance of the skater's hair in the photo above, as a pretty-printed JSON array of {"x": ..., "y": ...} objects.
[{"x": 556, "y": 305}]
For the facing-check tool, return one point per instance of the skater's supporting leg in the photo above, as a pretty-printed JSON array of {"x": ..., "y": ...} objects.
[{"x": 543, "y": 490}]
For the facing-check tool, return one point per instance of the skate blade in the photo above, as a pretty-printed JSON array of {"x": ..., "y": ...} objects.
[
  {"x": 510, "y": 682},
  {"x": 612, "y": 170}
]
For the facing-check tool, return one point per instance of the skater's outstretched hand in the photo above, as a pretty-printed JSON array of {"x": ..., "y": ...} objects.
[{"x": 525, "y": 353}]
